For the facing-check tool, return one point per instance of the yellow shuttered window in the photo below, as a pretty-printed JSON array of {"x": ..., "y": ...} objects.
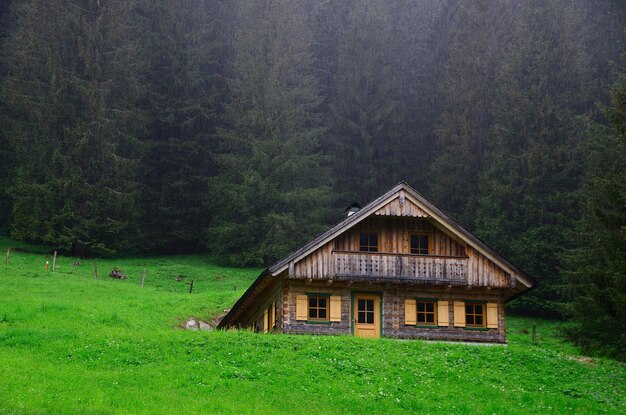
[
  {"x": 410, "y": 312},
  {"x": 335, "y": 308},
  {"x": 442, "y": 314},
  {"x": 265, "y": 321},
  {"x": 459, "y": 314},
  {"x": 301, "y": 307},
  {"x": 492, "y": 315}
]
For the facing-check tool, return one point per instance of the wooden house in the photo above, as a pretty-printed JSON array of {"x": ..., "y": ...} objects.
[{"x": 398, "y": 267}]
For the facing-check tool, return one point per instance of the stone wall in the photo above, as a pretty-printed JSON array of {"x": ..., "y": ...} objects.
[{"x": 393, "y": 301}]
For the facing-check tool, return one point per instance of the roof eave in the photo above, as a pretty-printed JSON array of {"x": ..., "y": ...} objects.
[
  {"x": 226, "y": 321},
  {"x": 432, "y": 210}
]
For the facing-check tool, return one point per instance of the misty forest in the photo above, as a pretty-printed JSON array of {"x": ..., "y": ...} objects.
[{"x": 243, "y": 129}]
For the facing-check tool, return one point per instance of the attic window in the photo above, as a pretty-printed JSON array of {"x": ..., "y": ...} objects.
[
  {"x": 419, "y": 244},
  {"x": 368, "y": 242}
]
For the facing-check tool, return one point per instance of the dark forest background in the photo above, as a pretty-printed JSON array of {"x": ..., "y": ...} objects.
[{"x": 244, "y": 128}]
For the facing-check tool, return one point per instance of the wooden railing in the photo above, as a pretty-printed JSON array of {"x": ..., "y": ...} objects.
[{"x": 401, "y": 266}]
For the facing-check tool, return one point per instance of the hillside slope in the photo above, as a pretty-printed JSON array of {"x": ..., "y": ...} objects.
[{"x": 71, "y": 344}]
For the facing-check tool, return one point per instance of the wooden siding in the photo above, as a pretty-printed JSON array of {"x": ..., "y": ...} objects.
[
  {"x": 483, "y": 272},
  {"x": 448, "y": 260},
  {"x": 394, "y": 236},
  {"x": 256, "y": 312},
  {"x": 401, "y": 206},
  {"x": 317, "y": 265}
]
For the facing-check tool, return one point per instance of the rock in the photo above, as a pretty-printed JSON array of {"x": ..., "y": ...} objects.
[
  {"x": 191, "y": 324},
  {"x": 205, "y": 326},
  {"x": 117, "y": 273}
]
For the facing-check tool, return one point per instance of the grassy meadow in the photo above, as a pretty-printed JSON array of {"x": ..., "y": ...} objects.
[{"x": 71, "y": 344}]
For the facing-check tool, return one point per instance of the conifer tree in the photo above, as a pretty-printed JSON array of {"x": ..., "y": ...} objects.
[
  {"x": 366, "y": 112},
  {"x": 528, "y": 189},
  {"x": 475, "y": 34},
  {"x": 595, "y": 279},
  {"x": 273, "y": 192},
  {"x": 71, "y": 81},
  {"x": 7, "y": 161},
  {"x": 183, "y": 87}
]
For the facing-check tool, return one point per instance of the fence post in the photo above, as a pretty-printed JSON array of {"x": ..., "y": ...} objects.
[
  {"x": 143, "y": 277},
  {"x": 8, "y": 256},
  {"x": 54, "y": 261},
  {"x": 191, "y": 286},
  {"x": 534, "y": 333},
  {"x": 95, "y": 268}
]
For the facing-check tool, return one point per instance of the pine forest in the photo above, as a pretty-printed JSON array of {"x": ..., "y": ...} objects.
[{"x": 244, "y": 128}]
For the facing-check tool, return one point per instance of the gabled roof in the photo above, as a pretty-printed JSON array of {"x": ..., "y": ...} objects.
[
  {"x": 424, "y": 209},
  {"x": 432, "y": 211}
]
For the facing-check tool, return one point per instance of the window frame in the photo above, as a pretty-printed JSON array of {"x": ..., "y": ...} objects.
[
  {"x": 474, "y": 304},
  {"x": 368, "y": 232},
  {"x": 318, "y": 296},
  {"x": 428, "y": 242},
  {"x": 425, "y": 301},
  {"x": 366, "y": 312}
]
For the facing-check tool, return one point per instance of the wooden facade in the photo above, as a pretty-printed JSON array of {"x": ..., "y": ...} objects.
[{"x": 399, "y": 267}]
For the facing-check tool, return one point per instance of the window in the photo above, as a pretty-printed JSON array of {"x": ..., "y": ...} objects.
[
  {"x": 368, "y": 242},
  {"x": 318, "y": 308},
  {"x": 474, "y": 315},
  {"x": 419, "y": 244},
  {"x": 365, "y": 311},
  {"x": 426, "y": 313}
]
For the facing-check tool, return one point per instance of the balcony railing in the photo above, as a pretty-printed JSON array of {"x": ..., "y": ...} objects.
[{"x": 427, "y": 268}]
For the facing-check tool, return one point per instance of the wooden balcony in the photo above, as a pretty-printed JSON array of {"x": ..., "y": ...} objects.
[{"x": 383, "y": 266}]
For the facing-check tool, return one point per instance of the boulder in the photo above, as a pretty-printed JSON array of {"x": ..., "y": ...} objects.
[
  {"x": 117, "y": 273},
  {"x": 191, "y": 324},
  {"x": 205, "y": 326}
]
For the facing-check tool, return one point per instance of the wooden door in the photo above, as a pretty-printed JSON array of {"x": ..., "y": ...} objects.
[{"x": 366, "y": 315}]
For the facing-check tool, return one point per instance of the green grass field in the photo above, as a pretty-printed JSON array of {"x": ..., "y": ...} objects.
[{"x": 70, "y": 344}]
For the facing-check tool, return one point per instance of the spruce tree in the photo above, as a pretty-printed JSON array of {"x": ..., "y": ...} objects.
[
  {"x": 594, "y": 284},
  {"x": 71, "y": 82},
  {"x": 7, "y": 161},
  {"x": 475, "y": 34},
  {"x": 183, "y": 88},
  {"x": 272, "y": 193},
  {"x": 364, "y": 128},
  {"x": 528, "y": 197}
]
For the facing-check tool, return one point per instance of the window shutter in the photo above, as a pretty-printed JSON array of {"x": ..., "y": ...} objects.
[
  {"x": 273, "y": 316},
  {"x": 410, "y": 312},
  {"x": 442, "y": 314},
  {"x": 335, "y": 308},
  {"x": 459, "y": 314},
  {"x": 302, "y": 309},
  {"x": 265, "y": 321},
  {"x": 492, "y": 315}
]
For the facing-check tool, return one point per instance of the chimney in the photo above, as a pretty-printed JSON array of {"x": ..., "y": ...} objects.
[{"x": 353, "y": 208}]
